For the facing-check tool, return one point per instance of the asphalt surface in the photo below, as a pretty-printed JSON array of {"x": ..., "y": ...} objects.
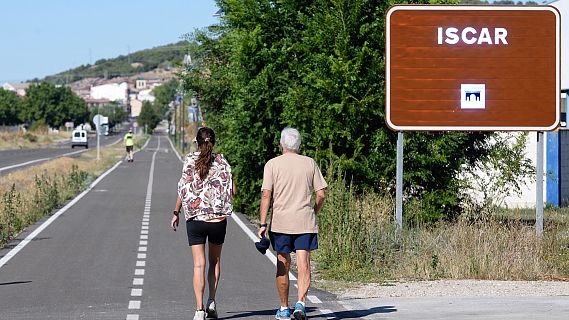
[
  {"x": 111, "y": 255},
  {"x": 15, "y": 159},
  {"x": 87, "y": 263},
  {"x": 462, "y": 307}
]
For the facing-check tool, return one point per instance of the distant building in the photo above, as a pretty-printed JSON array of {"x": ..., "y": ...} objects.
[
  {"x": 111, "y": 91},
  {"x": 135, "y": 108},
  {"x": 145, "y": 95},
  {"x": 93, "y": 103},
  {"x": 140, "y": 84},
  {"x": 18, "y": 88}
]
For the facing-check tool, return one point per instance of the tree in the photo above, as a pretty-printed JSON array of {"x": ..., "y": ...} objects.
[
  {"x": 149, "y": 116},
  {"x": 10, "y": 105},
  {"x": 74, "y": 108},
  {"x": 113, "y": 111},
  {"x": 165, "y": 94},
  {"x": 53, "y": 105},
  {"x": 318, "y": 66}
]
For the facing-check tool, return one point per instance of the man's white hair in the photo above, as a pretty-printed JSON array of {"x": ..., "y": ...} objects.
[{"x": 290, "y": 139}]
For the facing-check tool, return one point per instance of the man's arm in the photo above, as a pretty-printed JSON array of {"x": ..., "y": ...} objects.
[
  {"x": 265, "y": 203},
  {"x": 320, "y": 195},
  {"x": 233, "y": 189}
]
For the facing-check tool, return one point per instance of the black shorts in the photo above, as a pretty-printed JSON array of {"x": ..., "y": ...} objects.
[
  {"x": 198, "y": 231},
  {"x": 129, "y": 148}
]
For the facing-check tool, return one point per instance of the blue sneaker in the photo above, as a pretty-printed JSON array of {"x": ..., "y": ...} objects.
[
  {"x": 283, "y": 314},
  {"x": 299, "y": 312}
]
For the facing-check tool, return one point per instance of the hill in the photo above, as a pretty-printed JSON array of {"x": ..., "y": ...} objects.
[{"x": 164, "y": 57}]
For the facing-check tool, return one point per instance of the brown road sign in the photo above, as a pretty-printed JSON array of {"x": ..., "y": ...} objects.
[{"x": 472, "y": 68}]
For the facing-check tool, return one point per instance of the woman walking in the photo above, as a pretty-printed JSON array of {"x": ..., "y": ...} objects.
[{"x": 205, "y": 192}]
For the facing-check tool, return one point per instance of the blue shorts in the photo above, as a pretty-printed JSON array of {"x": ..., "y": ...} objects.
[{"x": 287, "y": 243}]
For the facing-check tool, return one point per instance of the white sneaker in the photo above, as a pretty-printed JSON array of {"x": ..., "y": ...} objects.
[
  {"x": 199, "y": 315},
  {"x": 211, "y": 309}
]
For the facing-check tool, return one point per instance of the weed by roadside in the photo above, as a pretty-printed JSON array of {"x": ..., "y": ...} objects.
[
  {"x": 31, "y": 139},
  {"x": 357, "y": 243},
  {"x": 29, "y": 194}
]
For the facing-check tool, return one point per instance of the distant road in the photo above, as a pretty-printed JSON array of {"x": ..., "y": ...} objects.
[{"x": 15, "y": 159}]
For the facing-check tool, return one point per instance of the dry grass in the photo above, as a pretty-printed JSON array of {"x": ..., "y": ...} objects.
[
  {"x": 357, "y": 241},
  {"x": 85, "y": 162},
  {"x": 484, "y": 250},
  {"x": 31, "y": 193},
  {"x": 31, "y": 139}
]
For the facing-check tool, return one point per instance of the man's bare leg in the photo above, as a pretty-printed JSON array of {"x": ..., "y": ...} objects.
[
  {"x": 303, "y": 266},
  {"x": 283, "y": 267}
]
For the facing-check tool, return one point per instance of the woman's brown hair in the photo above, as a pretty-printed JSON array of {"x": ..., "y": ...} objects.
[{"x": 206, "y": 140}]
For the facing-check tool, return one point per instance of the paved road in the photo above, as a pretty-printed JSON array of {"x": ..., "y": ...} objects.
[
  {"x": 452, "y": 308},
  {"x": 111, "y": 255},
  {"x": 15, "y": 159}
]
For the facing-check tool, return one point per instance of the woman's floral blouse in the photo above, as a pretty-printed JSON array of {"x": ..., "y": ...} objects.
[{"x": 210, "y": 198}]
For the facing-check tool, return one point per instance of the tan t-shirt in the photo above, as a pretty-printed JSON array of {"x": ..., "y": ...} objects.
[{"x": 293, "y": 178}]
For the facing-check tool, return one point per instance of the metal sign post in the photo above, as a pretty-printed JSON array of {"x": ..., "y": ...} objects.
[
  {"x": 399, "y": 187},
  {"x": 539, "y": 186},
  {"x": 98, "y": 143},
  {"x": 97, "y": 119}
]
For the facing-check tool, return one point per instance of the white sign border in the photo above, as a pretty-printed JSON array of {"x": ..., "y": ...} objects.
[{"x": 395, "y": 8}]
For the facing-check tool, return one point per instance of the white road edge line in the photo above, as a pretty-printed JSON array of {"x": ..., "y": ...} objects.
[
  {"x": 51, "y": 219},
  {"x": 244, "y": 227},
  {"x": 175, "y": 151},
  {"x": 313, "y": 299},
  {"x": 23, "y": 164}
]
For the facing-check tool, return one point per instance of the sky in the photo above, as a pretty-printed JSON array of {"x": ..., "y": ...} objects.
[{"x": 40, "y": 38}]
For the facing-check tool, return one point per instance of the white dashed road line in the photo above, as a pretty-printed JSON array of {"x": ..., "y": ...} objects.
[{"x": 140, "y": 268}]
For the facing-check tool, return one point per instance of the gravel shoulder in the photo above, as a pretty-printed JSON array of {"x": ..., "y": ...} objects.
[{"x": 454, "y": 288}]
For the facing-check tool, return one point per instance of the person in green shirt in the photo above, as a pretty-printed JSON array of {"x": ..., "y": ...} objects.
[{"x": 129, "y": 143}]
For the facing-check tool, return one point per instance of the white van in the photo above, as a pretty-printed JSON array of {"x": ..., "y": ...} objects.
[{"x": 79, "y": 138}]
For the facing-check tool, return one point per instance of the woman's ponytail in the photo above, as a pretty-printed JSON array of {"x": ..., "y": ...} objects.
[{"x": 206, "y": 140}]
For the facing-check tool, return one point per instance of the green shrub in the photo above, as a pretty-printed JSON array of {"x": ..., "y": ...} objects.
[
  {"x": 10, "y": 223},
  {"x": 49, "y": 193},
  {"x": 30, "y": 137}
]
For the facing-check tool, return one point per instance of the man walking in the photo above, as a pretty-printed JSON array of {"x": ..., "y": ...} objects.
[{"x": 289, "y": 180}]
